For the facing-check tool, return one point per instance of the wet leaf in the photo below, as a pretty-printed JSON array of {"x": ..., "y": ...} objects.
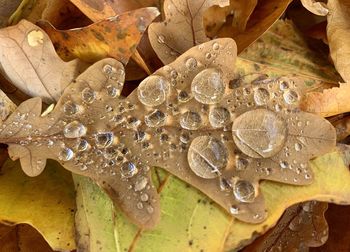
[
  {"x": 181, "y": 29},
  {"x": 45, "y": 202},
  {"x": 185, "y": 120},
  {"x": 115, "y": 37},
  {"x": 330, "y": 102},
  {"x": 331, "y": 176},
  {"x": 239, "y": 11},
  {"x": 28, "y": 58},
  {"x": 317, "y": 8},
  {"x": 300, "y": 227},
  {"x": 338, "y": 32}
]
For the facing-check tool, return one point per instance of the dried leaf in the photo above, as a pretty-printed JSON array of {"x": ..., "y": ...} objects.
[
  {"x": 218, "y": 162},
  {"x": 300, "y": 227},
  {"x": 115, "y": 37},
  {"x": 338, "y": 32},
  {"x": 27, "y": 59},
  {"x": 6, "y": 106},
  {"x": 7, "y": 7},
  {"x": 239, "y": 11},
  {"x": 342, "y": 127},
  {"x": 45, "y": 202},
  {"x": 330, "y": 102},
  {"x": 181, "y": 29},
  {"x": 317, "y": 8}
]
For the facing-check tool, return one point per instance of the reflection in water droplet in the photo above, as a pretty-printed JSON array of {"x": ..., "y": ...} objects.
[
  {"x": 190, "y": 120},
  {"x": 74, "y": 129},
  {"x": 261, "y": 96},
  {"x": 140, "y": 183},
  {"x": 153, "y": 90},
  {"x": 191, "y": 63},
  {"x": 290, "y": 97},
  {"x": 207, "y": 157},
  {"x": 155, "y": 119},
  {"x": 219, "y": 117},
  {"x": 104, "y": 139},
  {"x": 128, "y": 169},
  {"x": 208, "y": 87},
  {"x": 70, "y": 108},
  {"x": 88, "y": 95},
  {"x": 259, "y": 133},
  {"x": 66, "y": 154},
  {"x": 244, "y": 191}
]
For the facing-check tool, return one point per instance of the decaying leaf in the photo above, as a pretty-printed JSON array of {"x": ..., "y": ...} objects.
[
  {"x": 209, "y": 131},
  {"x": 239, "y": 11},
  {"x": 338, "y": 33},
  {"x": 330, "y": 102},
  {"x": 28, "y": 59},
  {"x": 182, "y": 27},
  {"x": 116, "y": 37},
  {"x": 300, "y": 227},
  {"x": 317, "y": 8}
]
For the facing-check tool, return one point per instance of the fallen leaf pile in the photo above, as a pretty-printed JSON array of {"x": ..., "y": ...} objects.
[{"x": 224, "y": 130}]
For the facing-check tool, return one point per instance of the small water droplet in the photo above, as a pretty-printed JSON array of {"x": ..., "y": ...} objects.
[
  {"x": 190, "y": 120},
  {"x": 261, "y": 96},
  {"x": 112, "y": 91},
  {"x": 183, "y": 96},
  {"x": 234, "y": 210},
  {"x": 104, "y": 139},
  {"x": 216, "y": 46},
  {"x": 66, "y": 154},
  {"x": 284, "y": 164},
  {"x": 290, "y": 96},
  {"x": 284, "y": 85},
  {"x": 191, "y": 63},
  {"x": 82, "y": 145},
  {"x": 88, "y": 95},
  {"x": 144, "y": 197},
  {"x": 207, "y": 157},
  {"x": 244, "y": 191},
  {"x": 298, "y": 146},
  {"x": 128, "y": 169},
  {"x": 208, "y": 86},
  {"x": 219, "y": 117},
  {"x": 140, "y": 183},
  {"x": 74, "y": 129},
  {"x": 155, "y": 119},
  {"x": 153, "y": 91},
  {"x": 70, "y": 108},
  {"x": 108, "y": 69}
]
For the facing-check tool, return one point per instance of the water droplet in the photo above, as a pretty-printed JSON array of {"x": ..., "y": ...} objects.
[
  {"x": 183, "y": 96},
  {"x": 161, "y": 39},
  {"x": 153, "y": 91},
  {"x": 82, "y": 145},
  {"x": 244, "y": 191},
  {"x": 284, "y": 85},
  {"x": 112, "y": 91},
  {"x": 207, "y": 157},
  {"x": 155, "y": 119},
  {"x": 173, "y": 74},
  {"x": 70, "y": 108},
  {"x": 104, "y": 139},
  {"x": 190, "y": 120},
  {"x": 191, "y": 63},
  {"x": 139, "y": 205},
  {"x": 184, "y": 138},
  {"x": 74, "y": 129},
  {"x": 261, "y": 96},
  {"x": 88, "y": 95},
  {"x": 216, "y": 46},
  {"x": 208, "y": 87},
  {"x": 259, "y": 133},
  {"x": 140, "y": 183},
  {"x": 284, "y": 164},
  {"x": 241, "y": 163},
  {"x": 208, "y": 56},
  {"x": 219, "y": 117},
  {"x": 128, "y": 169},
  {"x": 298, "y": 146},
  {"x": 225, "y": 185},
  {"x": 111, "y": 152},
  {"x": 234, "y": 210},
  {"x": 139, "y": 136},
  {"x": 66, "y": 154},
  {"x": 144, "y": 197},
  {"x": 290, "y": 96},
  {"x": 108, "y": 69},
  {"x": 150, "y": 209}
]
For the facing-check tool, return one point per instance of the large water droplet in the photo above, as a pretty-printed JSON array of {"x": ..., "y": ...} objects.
[
  {"x": 66, "y": 154},
  {"x": 290, "y": 96},
  {"x": 104, "y": 139},
  {"x": 128, "y": 169},
  {"x": 153, "y": 90},
  {"x": 261, "y": 96},
  {"x": 88, "y": 95},
  {"x": 190, "y": 120},
  {"x": 244, "y": 191},
  {"x": 208, "y": 87},
  {"x": 207, "y": 157},
  {"x": 155, "y": 119},
  {"x": 70, "y": 108},
  {"x": 74, "y": 129},
  {"x": 259, "y": 133},
  {"x": 219, "y": 117}
]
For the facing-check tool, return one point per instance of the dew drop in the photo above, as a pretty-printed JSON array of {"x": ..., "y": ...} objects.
[
  {"x": 153, "y": 90},
  {"x": 234, "y": 210},
  {"x": 290, "y": 96},
  {"x": 284, "y": 164},
  {"x": 74, "y": 129},
  {"x": 88, "y": 95},
  {"x": 191, "y": 63},
  {"x": 108, "y": 69},
  {"x": 183, "y": 96},
  {"x": 244, "y": 191},
  {"x": 104, "y": 139},
  {"x": 82, "y": 145},
  {"x": 66, "y": 154},
  {"x": 216, "y": 46},
  {"x": 207, "y": 157},
  {"x": 112, "y": 91},
  {"x": 298, "y": 146},
  {"x": 70, "y": 108},
  {"x": 128, "y": 169},
  {"x": 144, "y": 197},
  {"x": 190, "y": 120},
  {"x": 140, "y": 183},
  {"x": 155, "y": 119},
  {"x": 284, "y": 85},
  {"x": 219, "y": 117},
  {"x": 208, "y": 87},
  {"x": 261, "y": 96},
  {"x": 241, "y": 163}
]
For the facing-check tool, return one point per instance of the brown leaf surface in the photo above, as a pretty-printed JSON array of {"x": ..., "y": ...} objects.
[
  {"x": 338, "y": 33},
  {"x": 181, "y": 29},
  {"x": 116, "y": 141},
  {"x": 116, "y": 37},
  {"x": 28, "y": 59},
  {"x": 300, "y": 227},
  {"x": 22, "y": 238},
  {"x": 330, "y": 102}
]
